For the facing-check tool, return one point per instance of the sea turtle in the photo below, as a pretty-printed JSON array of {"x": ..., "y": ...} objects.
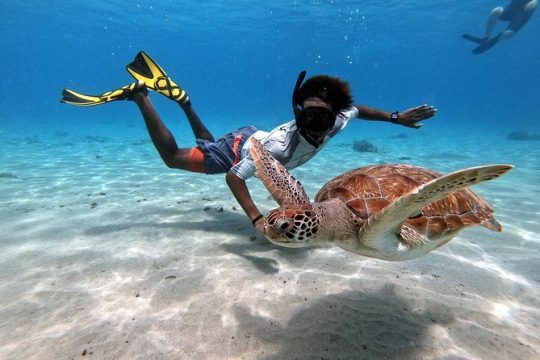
[{"x": 392, "y": 212}]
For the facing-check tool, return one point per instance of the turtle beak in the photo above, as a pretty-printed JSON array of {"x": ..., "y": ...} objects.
[
  {"x": 283, "y": 241},
  {"x": 277, "y": 237},
  {"x": 273, "y": 235}
]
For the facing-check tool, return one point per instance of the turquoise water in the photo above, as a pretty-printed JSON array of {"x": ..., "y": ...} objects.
[
  {"x": 239, "y": 59},
  {"x": 105, "y": 250}
]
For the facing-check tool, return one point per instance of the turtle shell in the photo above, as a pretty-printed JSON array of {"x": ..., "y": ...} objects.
[{"x": 367, "y": 190}]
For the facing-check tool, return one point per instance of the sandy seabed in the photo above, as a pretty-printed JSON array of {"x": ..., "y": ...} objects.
[{"x": 106, "y": 254}]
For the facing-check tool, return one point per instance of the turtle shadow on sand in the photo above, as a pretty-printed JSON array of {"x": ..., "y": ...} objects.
[
  {"x": 254, "y": 244},
  {"x": 263, "y": 264},
  {"x": 248, "y": 244},
  {"x": 235, "y": 222},
  {"x": 251, "y": 244},
  {"x": 261, "y": 245},
  {"x": 351, "y": 324}
]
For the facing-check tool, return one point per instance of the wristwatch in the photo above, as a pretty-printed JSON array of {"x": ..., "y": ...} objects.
[{"x": 394, "y": 116}]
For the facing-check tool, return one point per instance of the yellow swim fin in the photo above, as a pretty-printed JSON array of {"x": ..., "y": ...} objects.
[
  {"x": 144, "y": 68},
  {"x": 124, "y": 93}
]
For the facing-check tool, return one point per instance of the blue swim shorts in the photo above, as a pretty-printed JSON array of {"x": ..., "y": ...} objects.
[{"x": 220, "y": 156}]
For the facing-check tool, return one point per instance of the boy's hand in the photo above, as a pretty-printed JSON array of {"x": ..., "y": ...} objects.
[
  {"x": 261, "y": 225},
  {"x": 410, "y": 117}
]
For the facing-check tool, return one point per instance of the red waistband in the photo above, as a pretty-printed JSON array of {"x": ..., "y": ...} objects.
[{"x": 236, "y": 144}]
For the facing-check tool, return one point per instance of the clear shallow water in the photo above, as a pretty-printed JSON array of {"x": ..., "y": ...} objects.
[
  {"x": 90, "y": 217},
  {"x": 395, "y": 54}
]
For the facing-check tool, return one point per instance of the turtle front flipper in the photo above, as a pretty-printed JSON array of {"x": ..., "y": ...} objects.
[
  {"x": 285, "y": 189},
  {"x": 382, "y": 235}
]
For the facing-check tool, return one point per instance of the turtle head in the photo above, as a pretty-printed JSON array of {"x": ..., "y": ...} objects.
[{"x": 294, "y": 225}]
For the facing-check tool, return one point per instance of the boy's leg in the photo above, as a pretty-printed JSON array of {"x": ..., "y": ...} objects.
[
  {"x": 506, "y": 34},
  {"x": 145, "y": 69},
  {"x": 199, "y": 129},
  {"x": 492, "y": 20},
  {"x": 172, "y": 156}
]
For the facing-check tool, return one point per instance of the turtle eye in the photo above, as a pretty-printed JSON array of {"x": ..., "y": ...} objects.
[{"x": 283, "y": 224}]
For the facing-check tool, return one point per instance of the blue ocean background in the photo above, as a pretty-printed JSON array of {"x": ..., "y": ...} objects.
[{"x": 239, "y": 59}]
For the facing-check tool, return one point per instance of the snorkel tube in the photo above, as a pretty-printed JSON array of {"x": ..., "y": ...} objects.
[{"x": 297, "y": 107}]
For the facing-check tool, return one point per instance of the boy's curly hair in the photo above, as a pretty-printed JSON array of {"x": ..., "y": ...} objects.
[{"x": 331, "y": 90}]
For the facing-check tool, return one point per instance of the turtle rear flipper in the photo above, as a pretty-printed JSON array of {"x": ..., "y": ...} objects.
[{"x": 381, "y": 231}]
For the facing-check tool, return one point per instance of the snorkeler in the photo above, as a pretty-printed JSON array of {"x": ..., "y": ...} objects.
[
  {"x": 517, "y": 14},
  {"x": 322, "y": 107}
]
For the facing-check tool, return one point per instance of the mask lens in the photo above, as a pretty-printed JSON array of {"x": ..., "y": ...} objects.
[{"x": 315, "y": 119}]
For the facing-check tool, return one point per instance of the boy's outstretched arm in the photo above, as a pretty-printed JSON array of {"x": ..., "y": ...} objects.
[{"x": 408, "y": 118}]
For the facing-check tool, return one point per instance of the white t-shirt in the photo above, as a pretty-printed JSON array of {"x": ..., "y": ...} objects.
[{"x": 287, "y": 145}]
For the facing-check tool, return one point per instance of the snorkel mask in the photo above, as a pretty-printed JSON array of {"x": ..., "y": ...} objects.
[{"x": 314, "y": 121}]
